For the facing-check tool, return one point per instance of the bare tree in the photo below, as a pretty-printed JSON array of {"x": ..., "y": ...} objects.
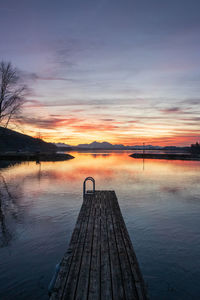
[{"x": 12, "y": 93}]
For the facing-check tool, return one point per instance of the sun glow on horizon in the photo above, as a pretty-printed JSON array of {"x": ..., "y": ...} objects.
[
  {"x": 153, "y": 137},
  {"x": 127, "y": 124}
]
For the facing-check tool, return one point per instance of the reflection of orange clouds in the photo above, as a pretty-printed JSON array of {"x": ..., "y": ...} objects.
[
  {"x": 80, "y": 173},
  {"x": 101, "y": 167},
  {"x": 84, "y": 171},
  {"x": 53, "y": 181},
  {"x": 52, "y": 184}
]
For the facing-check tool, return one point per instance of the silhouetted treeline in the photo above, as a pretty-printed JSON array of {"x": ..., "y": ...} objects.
[{"x": 195, "y": 149}]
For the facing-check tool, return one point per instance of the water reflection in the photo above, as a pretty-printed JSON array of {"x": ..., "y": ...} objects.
[
  {"x": 6, "y": 164},
  {"x": 6, "y": 236},
  {"x": 96, "y": 155},
  {"x": 160, "y": 202},
  {"x": 9, "y": 197}
]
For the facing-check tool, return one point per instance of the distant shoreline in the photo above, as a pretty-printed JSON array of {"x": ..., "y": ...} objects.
[
  {"x": 169, "y": 156},
  {"x": 34, "y": 156}
]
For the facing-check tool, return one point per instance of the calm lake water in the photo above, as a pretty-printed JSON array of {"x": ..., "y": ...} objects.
[{"x": 159, "y": 199}]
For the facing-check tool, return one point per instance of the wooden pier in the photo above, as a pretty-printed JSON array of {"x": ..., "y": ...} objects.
[{"x": 100, "y": 262}]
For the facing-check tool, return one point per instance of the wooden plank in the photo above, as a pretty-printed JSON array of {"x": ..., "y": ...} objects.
[
  {"x": 71, "y": 284},
  {"x": 106, "y": 277},
  {"x": 69, "y": 255},
  {"x": 128, "y": 279},
  {"x": 72, "y": 269},
  {"x": 94, "y": 292},
  {"x": 83, "y": 278},
  {"x": 139, "y": 282},
  {"x": 117, "y": 280}
]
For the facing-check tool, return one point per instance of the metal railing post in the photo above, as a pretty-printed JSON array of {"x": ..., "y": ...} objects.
[{"x": 84, "y": 186}]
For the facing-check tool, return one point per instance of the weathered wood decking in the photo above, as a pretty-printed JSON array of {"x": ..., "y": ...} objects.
[{"x": 100, "y": 262}]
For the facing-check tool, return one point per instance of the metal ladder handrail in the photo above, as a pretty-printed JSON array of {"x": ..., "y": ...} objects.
[{"x": 84, "y": 186}]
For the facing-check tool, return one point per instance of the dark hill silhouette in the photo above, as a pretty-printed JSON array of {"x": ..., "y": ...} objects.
[{"x": 14, "y": 141}]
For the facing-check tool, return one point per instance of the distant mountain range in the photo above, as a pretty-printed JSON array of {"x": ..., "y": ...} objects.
[
  {"x": 108, "y": 146},
  {"x": 103, "y": 145},
  {"x": 61, "y": 145}
]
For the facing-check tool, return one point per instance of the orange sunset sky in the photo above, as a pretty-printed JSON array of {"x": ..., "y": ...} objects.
[{"x": 125, "y": 123}]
